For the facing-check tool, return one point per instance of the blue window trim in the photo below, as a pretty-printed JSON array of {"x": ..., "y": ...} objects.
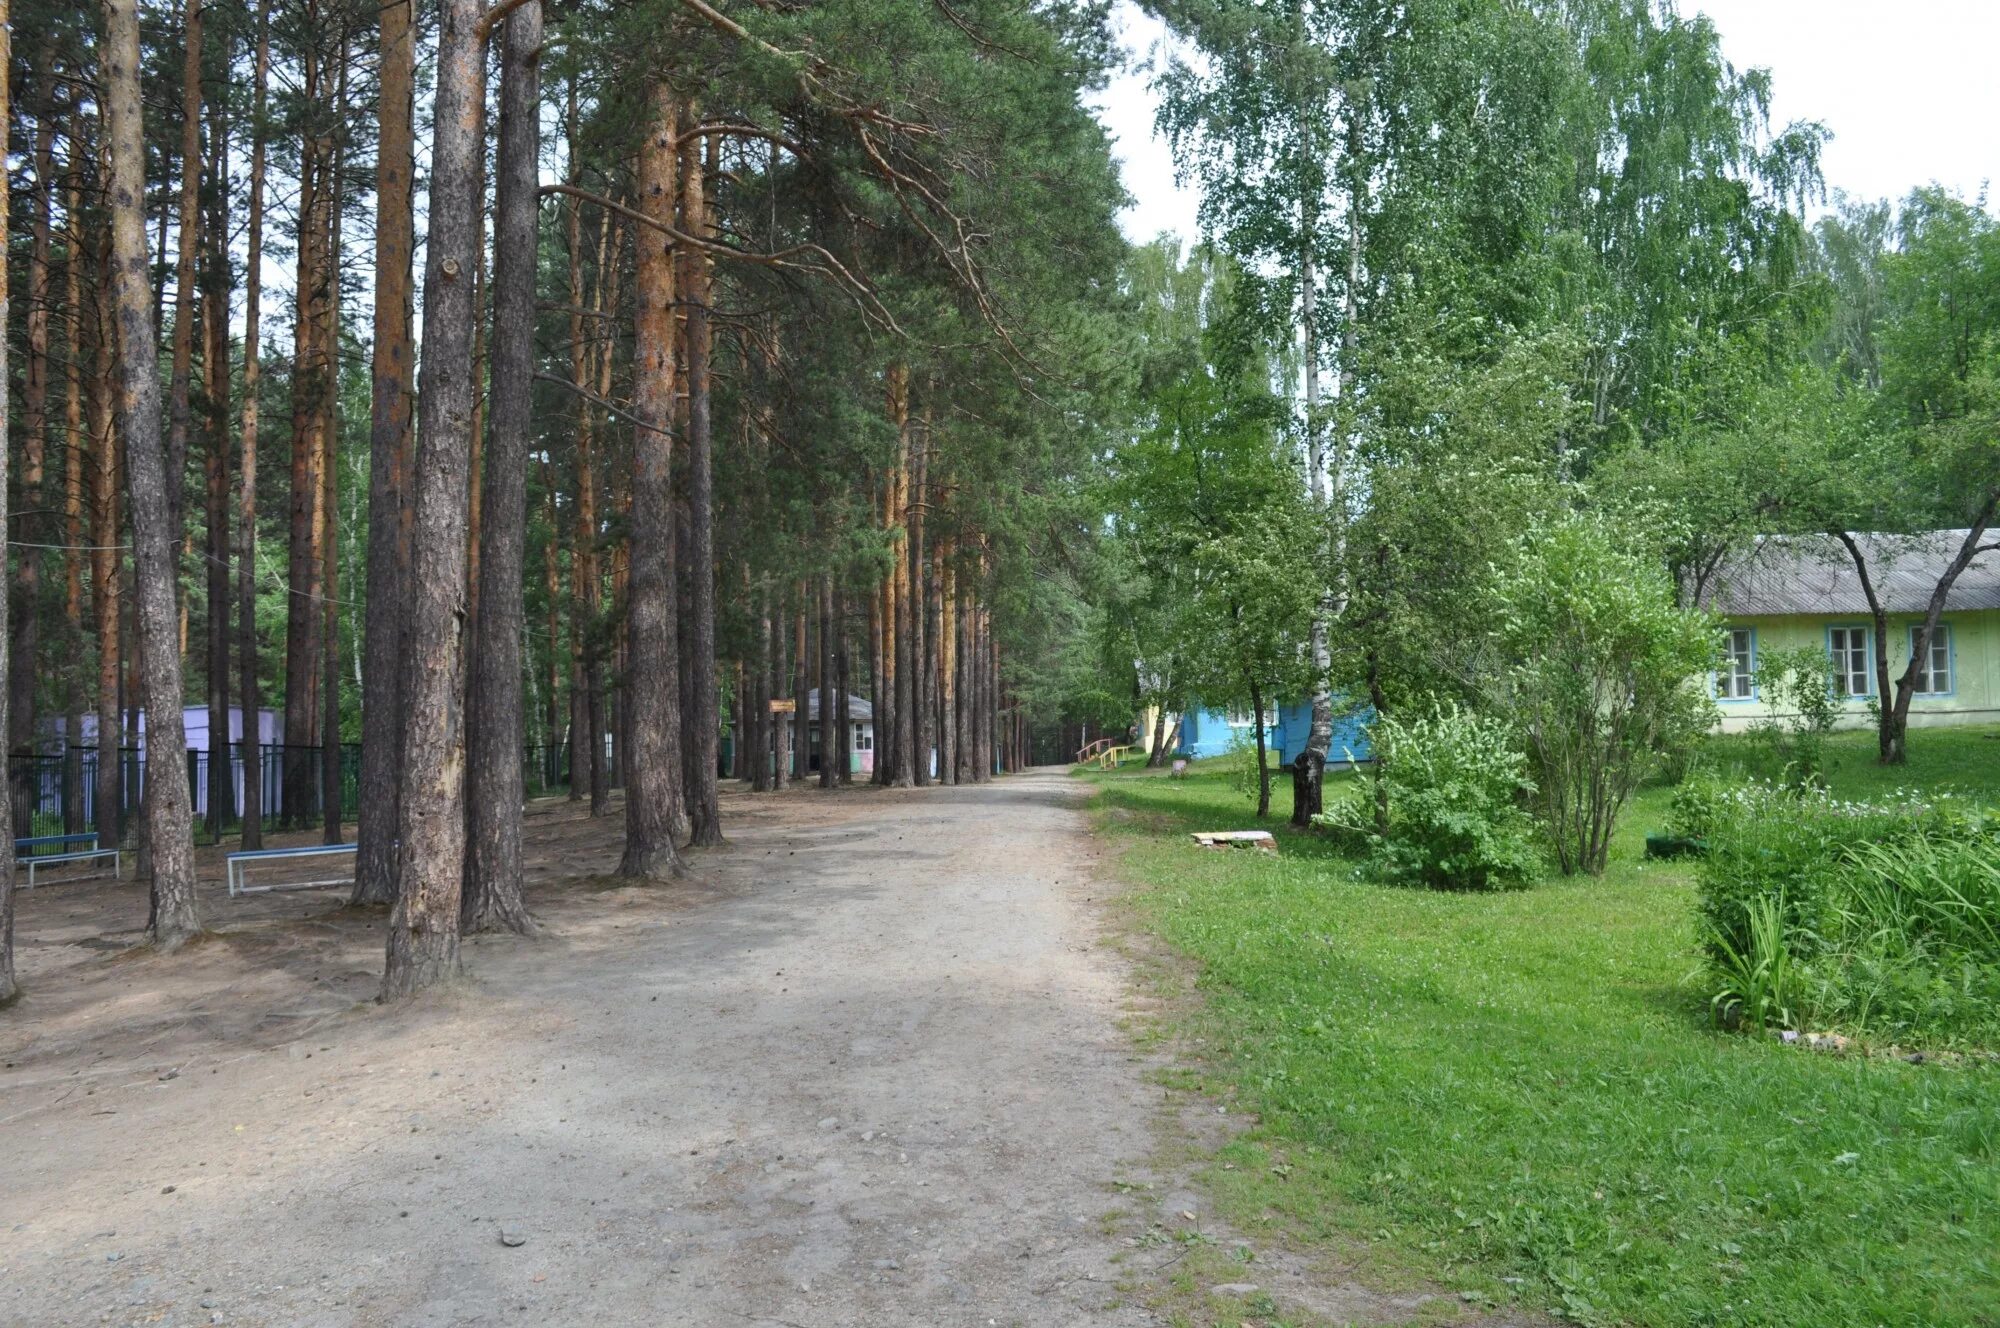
[
  {"x": 1950, "y": 658},
  {"x": 1867, "y": 649},
  {"x": 1715, "y": 690}
]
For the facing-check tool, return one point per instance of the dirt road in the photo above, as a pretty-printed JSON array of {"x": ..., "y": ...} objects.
[{"x": 866, "y": 1071}]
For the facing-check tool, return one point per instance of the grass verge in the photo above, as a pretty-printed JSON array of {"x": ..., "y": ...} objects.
[{"x": 1522, "y": 1090}]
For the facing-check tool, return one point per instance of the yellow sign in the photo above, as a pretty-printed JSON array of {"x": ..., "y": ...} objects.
[{"x": 779, "y": 707}]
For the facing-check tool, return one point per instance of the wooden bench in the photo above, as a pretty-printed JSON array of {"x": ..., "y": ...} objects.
[
  {"x": 90, "y": 852},
  {"x": 235, "y": 864}
]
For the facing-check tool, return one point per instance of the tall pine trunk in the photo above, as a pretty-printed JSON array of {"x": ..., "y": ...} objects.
[
  {"x": 651, "y": 767},
  {"x": 8, "y": 987},
  {"x": 493, "y": 886},
  {"x": 423, "y": 927},
  {"x": 309, "y": 385},
  {"x": 704, "y": 808},
  {"x": 902, "y": 659},
  {"x": 801, "y": 687},
  {"x": 922, "y": 634},
  {"x": 329, "y": 498},
  {"x": 828, "y": 717},
  {"x": 385, "y": 629},
  {"x": 215, "y": 397},
  {"x": 106, "y": 605},
  {"x": 249, "y": 695},
  {"x": 20, "y": 727},
  {"x": 947, "y": 664},
  {"x": 74, "y": 449},
  {"x": 173, "y": 919},
  {"x": 188, "y": 239}
]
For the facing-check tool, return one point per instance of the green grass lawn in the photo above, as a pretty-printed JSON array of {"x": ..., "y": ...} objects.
[{"x": 1522, "y": 1092}]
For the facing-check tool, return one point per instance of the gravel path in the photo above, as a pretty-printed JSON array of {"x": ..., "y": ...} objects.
[{"x": 866, "y": 1070}]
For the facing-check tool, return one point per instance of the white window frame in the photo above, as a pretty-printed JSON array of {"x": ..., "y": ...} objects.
[
  {"x": 1841, "y": 658},
  {"x": 1239, "y": 719},
  {"x": 1728, "y": 679},
  {"x": 1941, "y": 651}
]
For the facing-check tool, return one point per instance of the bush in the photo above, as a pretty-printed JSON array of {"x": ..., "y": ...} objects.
[
  {"x": 1882, "y": 918},
  {"x": 1697, "y": 803},
  {"x": 1797, "y": 686},
  {"x": 1596, "y": 657},
  {"x": 1455, "y": 782}
]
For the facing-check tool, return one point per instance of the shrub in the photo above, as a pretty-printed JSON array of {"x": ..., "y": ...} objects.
[
  {"x": 1455, "y": 782},
  {"x": 1797, "y": 687},
  {"x": 1595, "y": 662},
  {"x": 1696, "y": 804}
]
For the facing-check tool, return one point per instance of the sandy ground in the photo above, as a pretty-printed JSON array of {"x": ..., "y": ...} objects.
[{"x": 866, "y": 1069}]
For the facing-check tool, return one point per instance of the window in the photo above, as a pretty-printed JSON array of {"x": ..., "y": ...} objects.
[
  {"x": 1736, "y": 680},
  {"x": 864, "y": 739},
  {"x": 1240, "y": 719},
  {"x": 1848, "y": 647},
  {"x": 1934, "y": 672}
]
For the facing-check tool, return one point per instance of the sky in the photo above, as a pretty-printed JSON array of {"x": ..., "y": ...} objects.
[{"x": 1909, "y": 90}]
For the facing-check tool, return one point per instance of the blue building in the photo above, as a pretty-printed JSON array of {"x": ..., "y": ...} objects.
[{"x": 1207, "y": 732}]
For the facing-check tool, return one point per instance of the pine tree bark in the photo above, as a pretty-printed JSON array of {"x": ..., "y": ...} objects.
[
  {"x": 174, "y": 918},
  {"x": 963, "y": 687},
  {"x": 876, "y": 708},
  {"x": 651, "y": 768},
  {"x": 754, "y": 730},
  {"x": 385, "y": 628},
  {"x": 780, "y": 686},
  {"x": 309, "y": 386},
  {"x": 947, "y": 639},
  {"x": 9, "y": 987},
  {"x": 828, "y": 716},
  {"x": 188, "y": 239},
  {"x": 844, "y": 766},
  {"x": 904, "y": 702},
  {"x": 329, "y": 498},
  {"x": 802, "y": 717},
  {"x": 586, "y": 751},
  {"x": 922, "y": 634},
  {"x": 107, "y": 799},
  {"x": 20, "y": 729},
  {"x": 552, "y": 711},
  {"x": 493, "y": 886},
  {"x": 73, "y": 455},
  {"x": 215, "y": 398},
  {"x": 423, "y": 940},
  {"x": 704, "y": 806},
  {"x": 247, "y": 683}
]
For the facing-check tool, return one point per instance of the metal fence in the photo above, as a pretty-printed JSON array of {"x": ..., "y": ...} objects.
[{"x": 56, "y": 793}]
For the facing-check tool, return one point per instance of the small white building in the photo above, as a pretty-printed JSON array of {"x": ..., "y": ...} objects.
[{"x": 861, "y": 724}]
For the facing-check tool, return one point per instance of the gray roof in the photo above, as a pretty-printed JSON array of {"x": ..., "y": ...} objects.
[
  {"x": 858, "y": 709},
  {"x": 1814, "y": 575}
]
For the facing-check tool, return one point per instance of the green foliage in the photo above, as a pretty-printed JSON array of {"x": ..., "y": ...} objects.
[
  {"x": 1455, "y": 783},
  {"x": 1593, "y": 670},
  {"x": 1887, "y": 913},
  {"x": 1239, "y": 763},
  {"x": 1347, "y": 816},
  {"x": 1697, "y": 803},
  {"x": 1761, "y": 980},
  {"x": 1795, "y": 685}
]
